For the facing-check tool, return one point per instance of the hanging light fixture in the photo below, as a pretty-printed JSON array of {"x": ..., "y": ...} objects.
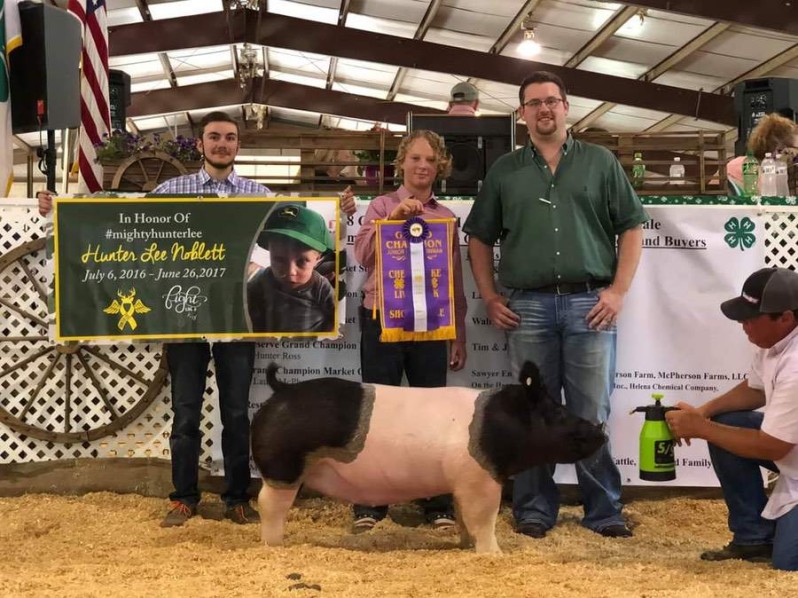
[
  {"x": 529, "y": 47},
  {"x": 635, "y": 24},
  {"x": 247, "y": 4}
]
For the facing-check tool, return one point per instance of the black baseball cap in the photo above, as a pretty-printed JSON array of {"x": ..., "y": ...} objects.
[{"x": 766, "y": 291}]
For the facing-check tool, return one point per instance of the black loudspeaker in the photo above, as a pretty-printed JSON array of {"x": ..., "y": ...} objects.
[
  {"x": 44, "y": 72},
  {"x": 755, "y": 98},
  {"x": 119, "y": 98},
  {"x": 475, "y": 143}
]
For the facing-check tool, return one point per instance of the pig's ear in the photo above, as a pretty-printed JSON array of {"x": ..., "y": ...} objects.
[{"x": 530, "y": 376}]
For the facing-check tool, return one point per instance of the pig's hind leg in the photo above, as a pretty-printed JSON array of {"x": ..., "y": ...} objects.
[
  {"x": 273, "y": 505},
  {"x": 478, "y": 507}
]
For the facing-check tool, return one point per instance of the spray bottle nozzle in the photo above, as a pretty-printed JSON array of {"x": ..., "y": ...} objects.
[{"x": 653, "y": 411}]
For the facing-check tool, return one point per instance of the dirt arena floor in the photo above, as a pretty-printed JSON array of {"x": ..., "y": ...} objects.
[{"x": 110, "y": 545}]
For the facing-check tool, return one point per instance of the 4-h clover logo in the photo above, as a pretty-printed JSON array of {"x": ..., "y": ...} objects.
[{"x": 740, "y": 233}]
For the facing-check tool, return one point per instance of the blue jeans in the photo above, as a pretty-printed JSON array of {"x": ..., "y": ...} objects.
[
  {"x": 741, "y": 482},
  {"x": 573, "y": 358},
  {"x": 188, "y": 368},
  {"x": 423, "y": 362}
]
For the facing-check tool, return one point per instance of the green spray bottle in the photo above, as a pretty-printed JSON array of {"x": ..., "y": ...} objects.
[{"x": 657, "y": 463}]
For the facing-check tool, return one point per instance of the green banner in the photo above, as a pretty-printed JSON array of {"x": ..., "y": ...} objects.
[{"x": 167, "y": 268}]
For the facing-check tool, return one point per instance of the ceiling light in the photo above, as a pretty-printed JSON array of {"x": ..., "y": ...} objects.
[{"x": 529, "y": 47}]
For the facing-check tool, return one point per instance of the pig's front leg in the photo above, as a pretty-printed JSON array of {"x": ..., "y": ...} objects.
[
  {"x": 273, "y": 505},
  {"x": 478, "y": 506}
]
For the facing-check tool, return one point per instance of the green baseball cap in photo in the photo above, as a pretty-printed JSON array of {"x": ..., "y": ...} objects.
[{"x": 299, "y": 223}]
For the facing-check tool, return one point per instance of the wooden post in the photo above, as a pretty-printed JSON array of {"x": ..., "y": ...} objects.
[
  {"x": 702, "y": 165},
  {"x": 381, "y": 174}
]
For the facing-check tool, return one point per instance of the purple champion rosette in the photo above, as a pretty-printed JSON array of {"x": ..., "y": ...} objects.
[{"x": 415, "y": 286}]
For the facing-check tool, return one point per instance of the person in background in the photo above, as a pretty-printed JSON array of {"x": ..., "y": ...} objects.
[
  {"x": 338, "y": 174},
  {"x": 422, "y": 158},
  {"x": 773, "y": 133},
  {"x": 560, "y": 207},
  {"x": 755, "y": 424},
  {"x": 464, "y": 100}
]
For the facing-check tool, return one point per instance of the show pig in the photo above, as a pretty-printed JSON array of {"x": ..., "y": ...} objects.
[{"x": 377, "y": 445}]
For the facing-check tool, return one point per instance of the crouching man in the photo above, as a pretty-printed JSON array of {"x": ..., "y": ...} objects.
[{"x": 742, "y": 439}]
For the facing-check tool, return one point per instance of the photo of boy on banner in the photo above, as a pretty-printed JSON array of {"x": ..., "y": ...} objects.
[
  {"x": 415, "y": 287},
  {"x": 290, "y": 295}
]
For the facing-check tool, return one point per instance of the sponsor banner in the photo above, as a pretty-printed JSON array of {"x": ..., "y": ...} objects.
[
  {"x": 414, "y": 274},
  {"x": 168, "y": 268},
  {"x": 672, "y": 337}
]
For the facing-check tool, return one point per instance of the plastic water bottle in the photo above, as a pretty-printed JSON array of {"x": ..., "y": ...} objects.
[
  {"x": 677, "y": 172},
  {"x": 767, "y": 177},
  {"x": 782, "y": 177},
  {"x": 750, "y": 175},
  {"x": 638, "y": 171}
]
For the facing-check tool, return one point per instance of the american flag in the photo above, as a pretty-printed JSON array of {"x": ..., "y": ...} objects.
[{"x": 95, "y": 117}]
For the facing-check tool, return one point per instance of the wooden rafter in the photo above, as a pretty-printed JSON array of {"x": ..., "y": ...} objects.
[{"x": 320, "y": 38}]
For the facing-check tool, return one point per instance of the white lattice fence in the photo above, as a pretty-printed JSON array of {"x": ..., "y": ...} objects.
[
  {"x": 781, "y": 242},
  {"x": 43, "y": 386},
  {"x": 73, "y": 400}
]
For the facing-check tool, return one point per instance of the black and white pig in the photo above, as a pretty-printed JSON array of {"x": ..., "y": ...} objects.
[{"x": 377, "y": 445}]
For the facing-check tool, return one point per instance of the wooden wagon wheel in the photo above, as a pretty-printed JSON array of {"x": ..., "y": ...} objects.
[
  {"x": 63, "y": 393},
  {"x": 146, "y": 170}
]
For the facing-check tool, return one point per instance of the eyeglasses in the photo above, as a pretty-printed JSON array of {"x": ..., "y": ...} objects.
[{"x": 551, "y": 103}]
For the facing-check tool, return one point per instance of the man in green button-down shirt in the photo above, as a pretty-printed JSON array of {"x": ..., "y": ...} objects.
[{"x": 558, "y": 206}]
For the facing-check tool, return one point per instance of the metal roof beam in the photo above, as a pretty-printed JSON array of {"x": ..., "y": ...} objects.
[
  {"x": 657, "y": 70},
  {"x": 759, "y": 71},
  {"x": 607, "y": 30},
  {"x": 163, "y": 57},
  {"x": 280, "y": 31},
  {"x": 778, "y": 15},
  {"x": 270, "y": 93},
  {"x": 426, "y": 22},
  {"x": 343, "y": 13}
]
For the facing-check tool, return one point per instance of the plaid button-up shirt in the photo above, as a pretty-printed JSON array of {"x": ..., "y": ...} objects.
[{"x": 202, "y": 183}]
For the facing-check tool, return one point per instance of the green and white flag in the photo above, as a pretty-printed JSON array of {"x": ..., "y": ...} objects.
[{"x": 12, "y": 39}]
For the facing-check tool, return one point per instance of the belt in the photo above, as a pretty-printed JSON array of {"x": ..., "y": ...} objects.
[{"x": 567, "y": 288}]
